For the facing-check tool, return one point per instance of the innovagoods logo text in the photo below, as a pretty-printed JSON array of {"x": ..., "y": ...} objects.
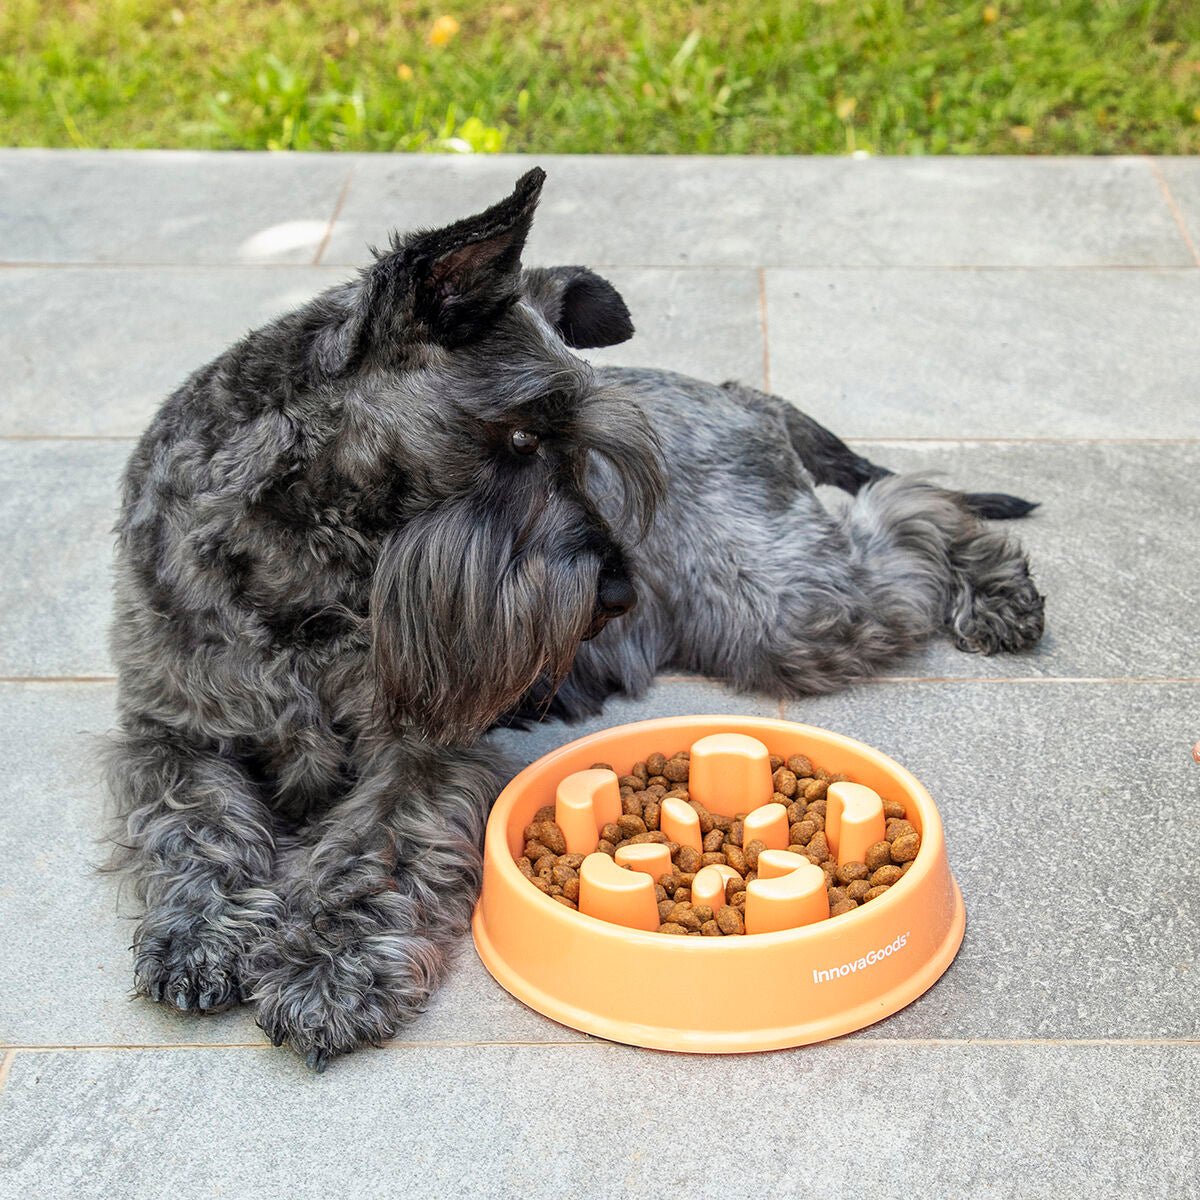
[{"x": 861, "y": 964}]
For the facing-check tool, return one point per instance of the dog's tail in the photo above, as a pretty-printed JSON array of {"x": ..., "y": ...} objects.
[{"x": 997, "y": 506}]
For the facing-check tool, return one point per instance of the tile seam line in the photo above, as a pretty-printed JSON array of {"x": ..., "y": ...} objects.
[
  {"x": 876, "y": 680},
  {"x": 856, "y": 439},
  {"x": 333, "y": 217},
  {"x": 6, "y": 1065},
  {"x": 93, "y": 1047},
  {"x": 58, "y": 679},
  {"x": 1176, "y": 212},
  {"x": 460, "y": 1044},
  {"x": 348, "y": 265}
]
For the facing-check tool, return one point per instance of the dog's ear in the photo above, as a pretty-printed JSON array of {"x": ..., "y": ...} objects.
[
  {"x": 465, "y": 275},
  {"x": 586, "y": 310},
  {"x": 444, "y": 285}
]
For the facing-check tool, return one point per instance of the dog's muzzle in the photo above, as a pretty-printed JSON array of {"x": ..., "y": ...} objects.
[{"x": 614, "y": 598}]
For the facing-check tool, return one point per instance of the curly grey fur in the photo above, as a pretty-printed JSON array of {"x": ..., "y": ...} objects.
[{"x": 335, "y": 573}]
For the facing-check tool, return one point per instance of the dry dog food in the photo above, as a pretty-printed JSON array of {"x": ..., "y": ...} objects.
[{"x": 799, "y": 786}]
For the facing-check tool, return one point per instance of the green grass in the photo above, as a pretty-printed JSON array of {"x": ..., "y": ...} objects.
[{"x": 743, "y": 76}]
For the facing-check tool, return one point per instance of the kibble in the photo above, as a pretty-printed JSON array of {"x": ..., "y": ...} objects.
[
  {"x": 798, "y": 785},
  {"x": 785, "y": 783},
  {"x": 818, "y": 847},
  {"x": 878, "y": 854},
  {"x": 676, "y": 770},
  {"x": 730, "y": 920},
  {"x": 752, "y": 852},
  {"x": 631, "y": 825}
]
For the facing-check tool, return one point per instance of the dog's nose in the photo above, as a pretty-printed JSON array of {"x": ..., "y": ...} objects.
[{"x": 615, "y": 596}]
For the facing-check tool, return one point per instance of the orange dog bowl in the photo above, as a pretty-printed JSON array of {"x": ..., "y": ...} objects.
[{"x": 759, "y": 991}]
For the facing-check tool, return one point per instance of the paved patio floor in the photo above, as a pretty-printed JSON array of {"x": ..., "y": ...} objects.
[{"x": 1020, "y": 325}]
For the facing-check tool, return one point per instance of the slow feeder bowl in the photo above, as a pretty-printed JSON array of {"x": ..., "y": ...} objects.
[{"x": 761, "y": 991}]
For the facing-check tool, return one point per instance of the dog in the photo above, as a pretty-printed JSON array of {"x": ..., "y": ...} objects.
[{"x": 407, "y": 513}]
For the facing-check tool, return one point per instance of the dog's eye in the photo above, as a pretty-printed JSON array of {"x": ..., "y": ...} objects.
[{"x": 524, "y": 442}]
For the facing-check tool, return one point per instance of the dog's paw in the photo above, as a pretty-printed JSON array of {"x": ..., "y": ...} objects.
[
  {"x": 181, "y": 961},
  {"x": 1006, "y": 614},
  {"x": 328, "y": 995}
]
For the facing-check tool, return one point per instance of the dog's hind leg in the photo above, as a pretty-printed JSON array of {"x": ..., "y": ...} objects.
[
  {"x": 378, "y": 901},
  {"x": 832, "y": 599},
  {"x": 198, "y": 846},
  {"x": 902, "y": 528}
]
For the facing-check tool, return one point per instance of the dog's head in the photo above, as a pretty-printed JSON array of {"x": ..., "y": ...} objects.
[{"x": 518, "y": 482}]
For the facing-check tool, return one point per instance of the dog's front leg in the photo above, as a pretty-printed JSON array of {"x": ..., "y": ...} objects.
[
  {"x": 199, "y": 847},
  {"x": 378, "y": 901}
]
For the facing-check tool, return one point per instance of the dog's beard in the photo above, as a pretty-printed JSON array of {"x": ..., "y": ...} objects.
[
  {"x": 474, "y": 606},
  {"x": 465, "y": 620}
]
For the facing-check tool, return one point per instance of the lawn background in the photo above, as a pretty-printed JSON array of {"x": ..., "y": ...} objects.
[{"x": 745, "y": 76}]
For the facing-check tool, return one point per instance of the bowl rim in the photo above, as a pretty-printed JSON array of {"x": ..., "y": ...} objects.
[{"x": 496, "y": 846}]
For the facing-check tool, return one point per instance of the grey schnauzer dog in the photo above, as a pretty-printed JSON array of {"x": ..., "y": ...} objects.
[{"x": 406, "y": 513}]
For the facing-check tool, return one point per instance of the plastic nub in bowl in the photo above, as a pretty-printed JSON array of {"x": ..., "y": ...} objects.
[{"x": 760, "y": 991}]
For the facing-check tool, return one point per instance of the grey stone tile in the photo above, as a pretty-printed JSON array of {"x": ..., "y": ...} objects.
[
  {"x": 1069, "y": 813},
  {"x": 1182, "y": 176},
  {"x": 704, "y": 323},
  {"x": 58, "y": 502},
  {"x": 166, "y": 206},
  {"x": 602, "y": 1121},
  {"x": 670, "y": 211},
  {"x": 64, "y": 958},
  {"x": 134, "y": 335},
  {"x": 1106, "y": 548},
  {"x": 1082, "y": 945},
  {"x": 988, "y": 353}
]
